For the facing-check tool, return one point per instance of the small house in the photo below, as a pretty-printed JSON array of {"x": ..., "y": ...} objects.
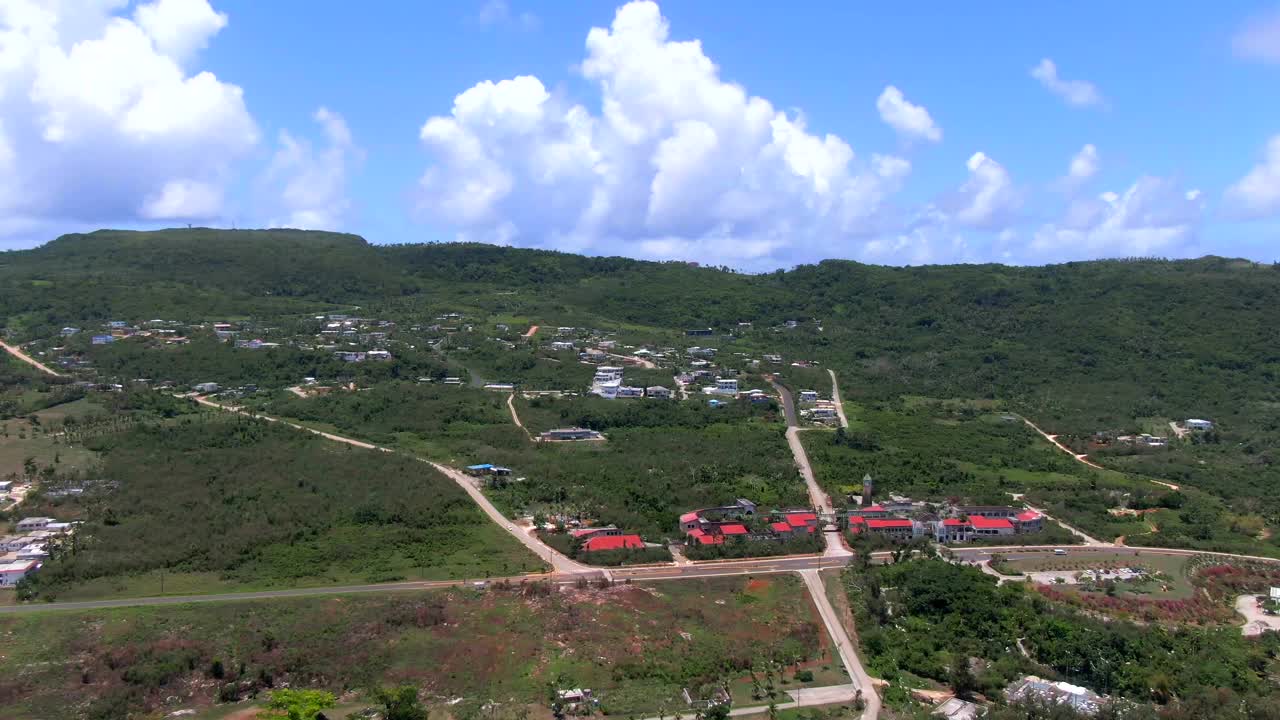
[
  {"x": 33, "y": 523},
  {"x": 658, "y": 391},
  {"x": 563, "y": 434},
  {"x": 12, "y": 572},
  {"x": 1198, "y": 424},
  {"x": 626, "y": 391},
  {"x": 205, "y": 388},
  {"x": 808, "y": 396}
]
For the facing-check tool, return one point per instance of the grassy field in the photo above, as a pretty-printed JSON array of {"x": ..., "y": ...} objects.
[
  {"x": 218, "y": 503},
  {"x": 20, "y": 439},
  {"x": 635, "y": 646}
]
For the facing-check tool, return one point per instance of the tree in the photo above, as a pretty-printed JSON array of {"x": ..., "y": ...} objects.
[
  {"x": 297, "y": 704},
  {"x": 401, "y": 703},
  {"x": 961, "y": 676}
]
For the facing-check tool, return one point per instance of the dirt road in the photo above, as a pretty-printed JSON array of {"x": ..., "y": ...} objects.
[
  {"x": 559, "y": 562},
  {"x": 835, "y": 397},
  {"x": 511, "y": 405},
  {"x": 17, "y": 352},
  {"x": 533, "y": 330}
]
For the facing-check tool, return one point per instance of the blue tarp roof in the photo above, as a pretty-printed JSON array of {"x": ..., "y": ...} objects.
[{"x": 485, "y": 466}]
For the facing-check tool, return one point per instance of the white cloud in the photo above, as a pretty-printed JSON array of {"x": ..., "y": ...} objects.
[
  {"x": 499, "y": 13},
  {"x": 1154, "y": 216},
  {"x": 179, "y": 28},
  {"x": 988, "y": 199},
  {"x": 1257, "y": 194},
  {"x": 1259, "y": 39},
  {"x": 308, "y": 185},
  {"x": 1084, "y": 165},
  {"x": 1077, "y": 93},
  {"x": 100, "y": 123},
  {"x": 678, "y": 161},
  {"x": 911, "y": 121}
]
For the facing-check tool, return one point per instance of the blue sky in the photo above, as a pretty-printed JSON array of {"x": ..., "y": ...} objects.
[{"x": 891, "y": 133}]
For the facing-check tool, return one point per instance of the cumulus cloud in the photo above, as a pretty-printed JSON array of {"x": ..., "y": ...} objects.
[
  {"x": 1259, "y": 39},
  {"x": 1154, "y": 216},
  {"x": 99, "y": 119},
  {"x": 308, "y": 184},
  {"x": 179, "y": 28},
  {"x": 1077, "y": 93},
  {"x": 1084, "y": 165},
  {"x": 677, "y": 162},
  {"x": 911, "y": 121},
  {"x": 988, "y": 199},
  {"x": 1257, "y": 194}
]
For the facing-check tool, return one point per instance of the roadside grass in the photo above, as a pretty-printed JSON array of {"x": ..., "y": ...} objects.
[{"x": 635, "y": 646}]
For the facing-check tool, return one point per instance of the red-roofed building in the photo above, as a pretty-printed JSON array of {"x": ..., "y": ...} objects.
[
  {"x": 612, "y": 542},
  {"x": 871, "y": 511},
  {"x": 801, "y": 519},
  {"x": 733, "y": 529},
  {"x": 592, "y": 531},
  {"x": 952, "y": 530},
  {"x": 1028, "y": 521},
  {"x": 892, "y": 528},
  {"x": 781, "y": 529},
  {"x": 703, "y": 538},
  {"x": 988, "y": 526}
]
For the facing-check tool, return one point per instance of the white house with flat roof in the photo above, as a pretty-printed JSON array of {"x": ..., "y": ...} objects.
[
  {"x": 12, "y": 572},
  {"x": 1198, "y": 424},
  {"x": 33, "y": 523},
  {"x": 726, "y": 386}
]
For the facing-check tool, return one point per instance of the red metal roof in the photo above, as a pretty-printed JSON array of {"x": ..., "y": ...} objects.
[
  {"x": 857, "y": 520},
  {"x": 954, "y": 522},
  {"x": 690, "y": 516},
  {"x": 1029, "y": 516},
  {"x": 613, "y": 542},
  {"x": 880, "y": 524},
  {"x": 780, "y": 527},
  {"x": 801, "y": 519},
  {"x": 985, "y": 523},
  {"x": 705, "y": 539},
  {"x": 583, "y": 532},
  {"x": 733, "y": 529},
  {"x": 874, "y": 508}
]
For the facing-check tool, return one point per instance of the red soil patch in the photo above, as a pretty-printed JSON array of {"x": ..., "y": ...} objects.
[{"x": 757, "y": 584}]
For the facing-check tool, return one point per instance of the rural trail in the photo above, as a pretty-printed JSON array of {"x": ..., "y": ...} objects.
[
  {"x": 1080, "y": 457},
  {"x": 848, "y": 653},
  {"x": 17, "y": 352},
  {"x": 835, "y": 398},
  {"x": 515, "y": 418},
  {"x": 559, "y": 562}
]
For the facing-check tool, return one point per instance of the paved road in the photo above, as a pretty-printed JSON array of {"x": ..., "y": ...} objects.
[
  {"x": 848, "y": 653},
  {"x": 835, "y": 397},
  {"x": 817, "y": 497},
  {"x": 17, "y": 352}
]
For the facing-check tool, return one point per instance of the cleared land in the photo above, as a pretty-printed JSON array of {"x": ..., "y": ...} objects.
[{"x": 635, "y": 646}]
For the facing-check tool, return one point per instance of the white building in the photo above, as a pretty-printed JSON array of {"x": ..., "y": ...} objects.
[
  {"x": 1198, "y": 424},
  {"x": 561, "y": 345},
  {"x": 33, "y": 523},
  {"x": 808, "y": 396},
  {"x": 12, "y": 572},
  {"x": 626, "y": 391},
  {"x": 658, "y": 391},
  {"x": 726, "y": 386}
]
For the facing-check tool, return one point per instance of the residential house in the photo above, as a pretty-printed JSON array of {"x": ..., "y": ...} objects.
[
  {"x": 627, "y": 391},
  {"x": 808, "y": 397},
  {"x": 379, "y": 355},
  {"x": 658, "y": 391},
  {"x": 500, "y": 387},
  {"x": 588, "y": 532},
  {"x": 205, "y": 388},
  {"x": 771, "y": 358},
  {"x": 68, "y": 331},
  {"x": 561, "y": 345},
  {"x": 487, "y": 469},
  {"x": 1198, "y": 424},
  {"x": 699, "y": 332},
  {"x": 102, "y": 340},
  {"x": 696, "y": 351},
  {"x": 726, "y": 386},
  {"x": 593, "y": 355}
]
